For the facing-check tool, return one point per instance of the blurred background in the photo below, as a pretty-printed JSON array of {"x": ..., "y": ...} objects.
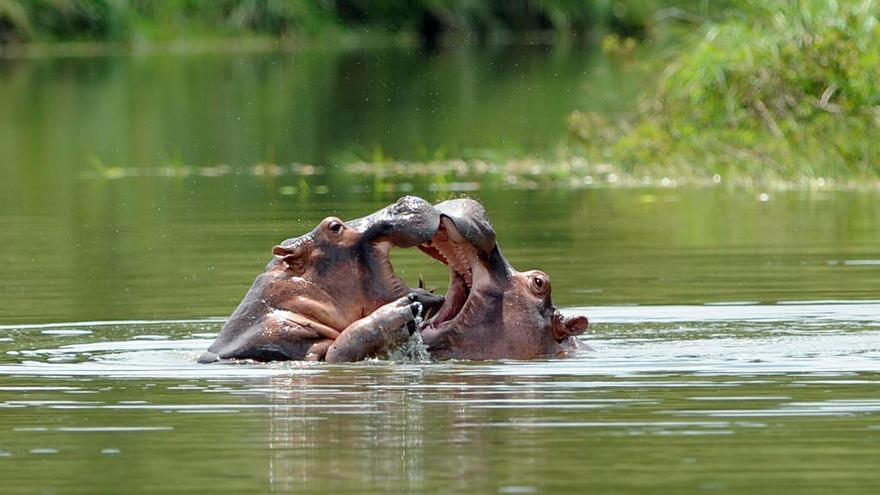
[{"x": 654, "y": 151}]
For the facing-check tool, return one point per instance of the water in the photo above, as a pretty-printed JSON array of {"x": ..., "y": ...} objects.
[
  {"x": 735, "y": 333},
  {"x": 768, "y": 399}
]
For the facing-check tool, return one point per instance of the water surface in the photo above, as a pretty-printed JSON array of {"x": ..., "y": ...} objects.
[
  {"x": 766, "y": 399},
  {"x": 736, "y": 333}
]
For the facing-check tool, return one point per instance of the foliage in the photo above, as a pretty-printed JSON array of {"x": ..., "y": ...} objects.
[
  {"x": 778, "y": 88},
  {"x": 122, "y": 20}
]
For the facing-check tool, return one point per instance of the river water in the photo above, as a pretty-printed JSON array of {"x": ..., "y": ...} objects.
[{"x": 735, "y": 333}]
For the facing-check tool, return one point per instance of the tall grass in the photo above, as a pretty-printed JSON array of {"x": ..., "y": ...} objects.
[{"x": 779, "y": 88}]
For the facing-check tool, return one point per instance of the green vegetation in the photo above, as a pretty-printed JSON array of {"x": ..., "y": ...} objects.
[
  {"x": 427, "y": 20},
  {"x": 782, "y": 90},
  {"x": 778, "y": 89}
]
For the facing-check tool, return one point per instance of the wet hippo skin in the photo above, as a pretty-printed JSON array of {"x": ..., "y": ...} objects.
[
  {"x": 336, "y": 280},
  {"x": 492, "y": 311},
  {"x": 332, "y": 294}
]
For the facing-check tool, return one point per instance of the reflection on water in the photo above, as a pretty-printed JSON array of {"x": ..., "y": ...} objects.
[
  {"x": 194, "y": 251},
  {"x": 81, "y": 247},
  {"x": 752, "y": 365},
  {"x": 310, "y": 106},
  {"x": 693, "y": 398}
]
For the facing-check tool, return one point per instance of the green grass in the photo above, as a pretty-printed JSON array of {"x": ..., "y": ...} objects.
[{"x": 778, "y": 89}]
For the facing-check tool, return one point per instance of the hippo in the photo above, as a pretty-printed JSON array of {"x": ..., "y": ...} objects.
[
  {"x": 492, "y": 311},
  {"x": 332, "y": 293}
]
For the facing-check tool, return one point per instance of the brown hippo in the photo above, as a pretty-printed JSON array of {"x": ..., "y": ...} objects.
[
  {"x": 332, "y": 293},
  {"x": 491, "y": 311}
]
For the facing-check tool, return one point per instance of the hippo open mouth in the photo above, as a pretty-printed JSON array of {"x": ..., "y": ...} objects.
[
  {"x": 462, "y": 238},
  {"x": 491, "y": 310},
  {"x": 331, "y": 294},
  {"x": 456, "y": 256}
]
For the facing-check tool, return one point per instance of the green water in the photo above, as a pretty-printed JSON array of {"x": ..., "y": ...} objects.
[{"x": 736, "y": 333}]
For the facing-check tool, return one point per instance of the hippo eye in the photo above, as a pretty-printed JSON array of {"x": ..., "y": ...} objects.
[
  {"x": 540, "y": 284},
  {"x": 335, "y": 226}
]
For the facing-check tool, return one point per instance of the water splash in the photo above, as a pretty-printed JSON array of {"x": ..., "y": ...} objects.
[{"x": 414, "y": 349}]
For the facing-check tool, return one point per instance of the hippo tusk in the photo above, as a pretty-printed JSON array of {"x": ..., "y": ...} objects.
[{"x": 423, "y": 285}]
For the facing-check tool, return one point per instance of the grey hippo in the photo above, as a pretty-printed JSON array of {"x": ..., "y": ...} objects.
[{"x": 332, "y": 293}]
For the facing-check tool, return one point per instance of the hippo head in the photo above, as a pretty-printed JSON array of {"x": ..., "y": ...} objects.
[
  {"x": 319, "y": 284},
  {"x": 492, "y": 311},
  {"x": 345, "y": 266}
]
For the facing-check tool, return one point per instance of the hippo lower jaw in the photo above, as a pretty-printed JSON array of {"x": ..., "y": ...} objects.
[
  {"x": 396, "y": 286},
  {"x": 468, "y": 279}
]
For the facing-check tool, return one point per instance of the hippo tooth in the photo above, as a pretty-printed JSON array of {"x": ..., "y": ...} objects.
[{"x": 461, "y": 263}]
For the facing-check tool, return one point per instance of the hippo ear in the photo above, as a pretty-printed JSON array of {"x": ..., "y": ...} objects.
[
  {"x": 569, "y": 327},
  {"x": 576, "y": 325},
  {"x": 290, "y": 256}
]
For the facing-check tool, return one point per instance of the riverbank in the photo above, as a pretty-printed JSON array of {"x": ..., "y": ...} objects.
[
  {"x": 29, "y": 25},
  {"x": 773, "y": 95},
  {"x": 776, "y": 90},
  {"x": 250, "y": 44}
]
